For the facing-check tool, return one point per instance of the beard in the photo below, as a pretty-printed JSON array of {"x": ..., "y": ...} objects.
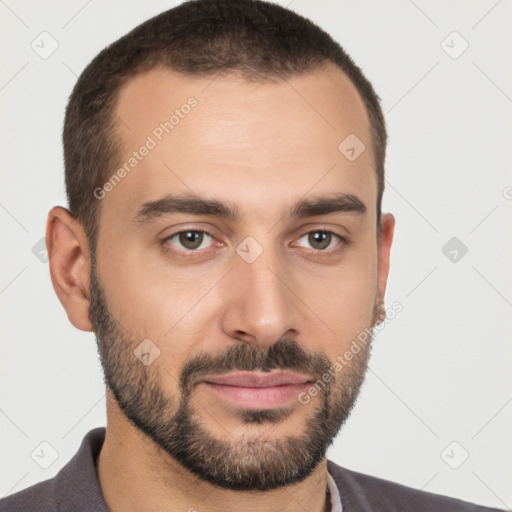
[{"x": 256, "y": 463}]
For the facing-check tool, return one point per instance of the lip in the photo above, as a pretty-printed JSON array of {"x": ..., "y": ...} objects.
[
  {"x": 250, "y": 390},
  {"x": 258, "y": 380}
]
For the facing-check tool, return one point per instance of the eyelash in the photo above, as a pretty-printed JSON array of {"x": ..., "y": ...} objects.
[{"x": 190, "y": 253}]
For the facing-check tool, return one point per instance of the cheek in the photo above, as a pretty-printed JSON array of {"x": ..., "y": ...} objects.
[
  {"x": 344, "y": 299},
  {"x": 345, "y": 303},
  {"x": 172, "y": 309}
]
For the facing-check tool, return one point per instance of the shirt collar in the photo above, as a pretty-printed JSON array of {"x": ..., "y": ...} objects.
[{"x": 334, "y": 494}]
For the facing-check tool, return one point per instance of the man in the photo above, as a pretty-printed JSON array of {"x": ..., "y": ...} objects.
[{"x": 225, "y": 243}]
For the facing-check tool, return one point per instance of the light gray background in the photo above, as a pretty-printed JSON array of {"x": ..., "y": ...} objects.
[{"x": 440, "y": 371}]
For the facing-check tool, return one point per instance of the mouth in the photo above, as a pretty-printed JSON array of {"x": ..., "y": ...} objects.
[{"x": 252, "y": 390}]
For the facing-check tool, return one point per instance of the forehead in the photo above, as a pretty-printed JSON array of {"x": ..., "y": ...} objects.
[{"x": 228, "y": 138}]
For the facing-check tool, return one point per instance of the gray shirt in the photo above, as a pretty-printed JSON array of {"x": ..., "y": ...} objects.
[{"x": 76, "y": 489}]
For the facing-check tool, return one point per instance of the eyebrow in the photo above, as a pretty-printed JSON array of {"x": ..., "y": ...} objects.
[{"x": 150, "y": 211}]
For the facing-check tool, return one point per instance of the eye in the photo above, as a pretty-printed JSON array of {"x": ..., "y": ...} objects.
[
  {"x": 190, "y": 240},
  {"x": 320, "y": 240}
]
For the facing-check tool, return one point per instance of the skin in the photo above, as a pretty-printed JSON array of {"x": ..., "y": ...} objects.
[{"x": 262, "y": 147}]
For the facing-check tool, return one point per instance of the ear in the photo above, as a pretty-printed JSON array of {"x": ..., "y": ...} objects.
[
  {"x": 70, "y": 265},
  {"x": 384, "y": 247}
]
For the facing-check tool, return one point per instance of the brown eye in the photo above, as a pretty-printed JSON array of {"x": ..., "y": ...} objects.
[
  {"x": 319, "y": 240},
  {"x": 190, "y": 240}
]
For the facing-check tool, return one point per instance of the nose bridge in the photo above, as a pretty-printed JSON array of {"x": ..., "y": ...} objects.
[{"x": 260, "y": 307}]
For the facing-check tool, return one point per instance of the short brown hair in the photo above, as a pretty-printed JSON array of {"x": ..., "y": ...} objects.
[{"x": 258, "y": 39}]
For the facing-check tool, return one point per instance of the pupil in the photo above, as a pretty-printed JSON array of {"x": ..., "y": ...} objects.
[{"x": 320, "y": 239}]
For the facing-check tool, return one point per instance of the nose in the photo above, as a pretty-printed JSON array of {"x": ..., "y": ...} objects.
[{"x": 260, "y": 303}]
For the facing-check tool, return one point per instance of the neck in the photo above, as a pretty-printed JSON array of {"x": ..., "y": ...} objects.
[{"x": 136, "y": 474}]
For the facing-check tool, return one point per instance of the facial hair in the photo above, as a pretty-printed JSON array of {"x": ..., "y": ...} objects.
[{"x": 257, "y": 463}]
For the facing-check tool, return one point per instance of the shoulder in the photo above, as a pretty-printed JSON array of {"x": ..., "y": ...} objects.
[
  {"x": 75, "y": 487},
  {"x": 40, "y": 497},
  {"x": 368, "y": 493}
]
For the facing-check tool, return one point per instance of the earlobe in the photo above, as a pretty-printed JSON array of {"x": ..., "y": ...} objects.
[{"x": 69, "y": 258}]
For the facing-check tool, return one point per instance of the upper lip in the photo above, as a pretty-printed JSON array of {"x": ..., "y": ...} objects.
[{"x": 258, "y": 380}]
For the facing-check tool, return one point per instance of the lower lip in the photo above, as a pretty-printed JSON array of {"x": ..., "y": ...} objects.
[{"x": 258, "y": 398}]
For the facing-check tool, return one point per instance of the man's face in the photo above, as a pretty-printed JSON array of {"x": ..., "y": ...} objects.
[{"x": 279, "y": 283}]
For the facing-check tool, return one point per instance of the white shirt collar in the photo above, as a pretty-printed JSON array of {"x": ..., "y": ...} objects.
[{"x": 334, "y": 494}]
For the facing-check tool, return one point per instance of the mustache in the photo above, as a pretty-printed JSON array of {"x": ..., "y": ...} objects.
[{"x": 282, "y": 355}]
